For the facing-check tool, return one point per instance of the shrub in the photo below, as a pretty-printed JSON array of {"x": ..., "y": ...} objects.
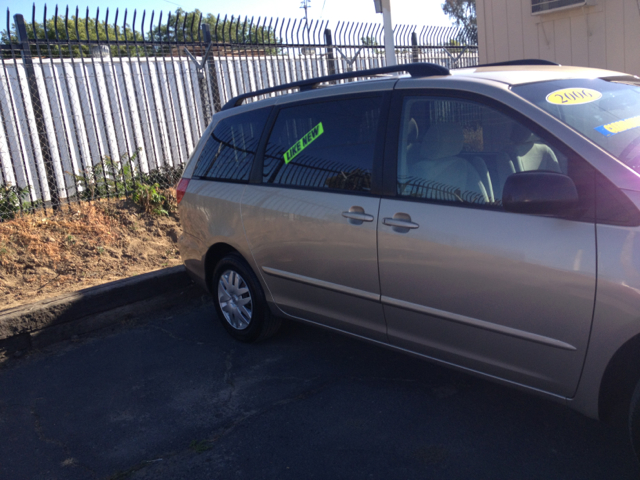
[
  {"x": 150, "y": 190},
  {"x": 11, "y": 198},
  {"x": 108, "y": 178},
  {"x": 152, "y": 199}
]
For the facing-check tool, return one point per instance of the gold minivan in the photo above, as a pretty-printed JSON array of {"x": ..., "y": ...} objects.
[{"x": 484, "y": 218}]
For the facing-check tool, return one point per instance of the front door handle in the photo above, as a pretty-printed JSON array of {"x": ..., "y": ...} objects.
[
  {"x": 360, "y": 217},
  {"x": 399, "y": 223}
]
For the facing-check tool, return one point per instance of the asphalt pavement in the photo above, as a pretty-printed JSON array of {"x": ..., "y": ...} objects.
[{"x": 168, "y": 395}]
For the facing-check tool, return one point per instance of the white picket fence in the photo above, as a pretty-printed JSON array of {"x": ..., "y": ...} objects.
[
  {"x": 102, "y": 108},
  {"x": 96, "y": 109}
]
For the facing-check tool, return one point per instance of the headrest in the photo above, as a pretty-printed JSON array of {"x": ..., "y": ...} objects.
[
  {"x": 520, "y": 134},
  {"x": 412, "y": 131},
  {"x": 442, "y": 140}
]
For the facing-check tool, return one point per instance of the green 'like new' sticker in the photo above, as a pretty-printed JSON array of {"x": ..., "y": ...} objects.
[{"x": 303, "y": 143}]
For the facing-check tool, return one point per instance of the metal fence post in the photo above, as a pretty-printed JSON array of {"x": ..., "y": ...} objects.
[
  {"x": 213, "y": 74},
  {"x": 204, "y": 93},
  {"x": 331, "y": 65},
  {"x": 415, "y": 57},
  {"x": 32, "y": 84}
]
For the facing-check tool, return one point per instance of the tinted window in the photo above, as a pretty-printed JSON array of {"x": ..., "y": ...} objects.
[
  {"x": 229, "y": 152},
  {"x": 324, "y": 145},
  {"x": 461, "y": 151}
]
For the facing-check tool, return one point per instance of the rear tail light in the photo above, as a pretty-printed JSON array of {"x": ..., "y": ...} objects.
[{"x": 182, "y": 188}]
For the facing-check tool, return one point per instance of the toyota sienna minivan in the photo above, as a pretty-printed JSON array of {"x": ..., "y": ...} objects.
[{"x": 486, "y": 218}]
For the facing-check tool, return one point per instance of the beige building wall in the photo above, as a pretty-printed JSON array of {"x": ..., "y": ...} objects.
[{"x": 604, "y": 35}]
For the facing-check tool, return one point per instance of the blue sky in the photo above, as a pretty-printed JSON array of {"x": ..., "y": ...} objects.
[{"x": 424, "y": 12}]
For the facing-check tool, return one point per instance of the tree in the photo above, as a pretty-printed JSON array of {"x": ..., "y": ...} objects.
[
  {"x": 183, "y": 26},
  {"x": 463, "y": 12},
  {"x": 72, "y": 29},
  {"x": 178, "y": 26},
  {"x": 371, "y": 42}
]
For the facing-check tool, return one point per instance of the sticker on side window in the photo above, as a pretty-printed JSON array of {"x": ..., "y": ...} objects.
[
  {"x": 619, "y": 126},
  {"x": 303, "y": 143},
  {"x": 573, "y": 96}
]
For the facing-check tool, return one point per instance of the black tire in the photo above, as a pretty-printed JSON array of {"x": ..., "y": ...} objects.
[
  {"x": 240, "y": 302},
  {"x": 634, "y": 420}
]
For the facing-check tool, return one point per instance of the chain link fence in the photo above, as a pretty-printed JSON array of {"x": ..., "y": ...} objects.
[{"x": 108, "y": 106}]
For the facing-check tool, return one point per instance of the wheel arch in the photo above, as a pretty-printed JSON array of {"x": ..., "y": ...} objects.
[
  {"x": 620, "y": 378},
  {"x": 215, "y": 253},
  {"x": 271, "y": 323}
]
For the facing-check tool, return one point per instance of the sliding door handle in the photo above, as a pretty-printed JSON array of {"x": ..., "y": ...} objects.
[
  {"x": 360, "y": 217},
  {"x": 399, "y": 223}
]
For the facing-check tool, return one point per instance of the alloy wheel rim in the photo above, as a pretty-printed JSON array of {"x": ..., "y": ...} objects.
[{"x": 235, "y": 299}]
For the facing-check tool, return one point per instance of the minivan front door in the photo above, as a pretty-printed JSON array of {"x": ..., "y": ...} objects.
[{"x": 465, "y": 282}]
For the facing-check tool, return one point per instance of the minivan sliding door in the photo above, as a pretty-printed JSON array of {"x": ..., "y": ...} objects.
[{"x": 312, "y": 223}]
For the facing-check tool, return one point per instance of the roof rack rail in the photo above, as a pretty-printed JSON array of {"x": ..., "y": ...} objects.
[
  {"x": 526, "y": 61},
  {"x": 416, "y": 70}
]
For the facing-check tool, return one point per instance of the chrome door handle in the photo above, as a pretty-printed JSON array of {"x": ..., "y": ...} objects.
[
  {"x": 396, "y": 222},
  {"x": 360, "y": 217}
]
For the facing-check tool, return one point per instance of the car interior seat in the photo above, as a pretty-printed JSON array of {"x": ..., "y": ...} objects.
[
  {"x": 416, "y": 128},
  {"x": 449, "y": 176},
  {"x": 528, "y": 153}
]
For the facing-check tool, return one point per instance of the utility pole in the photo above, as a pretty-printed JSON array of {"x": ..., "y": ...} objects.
[
  {"x": 306, "y": 4},
  {"x": 384, "y": 7}
]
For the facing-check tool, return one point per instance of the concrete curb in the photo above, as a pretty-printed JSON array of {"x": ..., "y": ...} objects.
[{"x": 43, "y": 323}]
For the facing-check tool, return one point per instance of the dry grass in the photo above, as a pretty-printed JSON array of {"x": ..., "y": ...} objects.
[
  {"x": 44, "y": 255},
  {"x": 47, "y": 240}
]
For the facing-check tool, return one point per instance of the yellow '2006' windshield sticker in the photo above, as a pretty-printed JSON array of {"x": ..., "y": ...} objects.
[
  {"x": 303, "y": 143},
  {"x": 573, "y": 96},
  {"x": 619, "y": 126}
]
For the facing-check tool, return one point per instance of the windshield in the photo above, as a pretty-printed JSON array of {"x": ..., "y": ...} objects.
[{"x": 607, "y": 112}]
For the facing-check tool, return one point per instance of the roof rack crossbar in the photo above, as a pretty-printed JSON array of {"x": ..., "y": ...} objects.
[
  {"x": 416, "y": 70},
  {"x": 526, "y": 61}
]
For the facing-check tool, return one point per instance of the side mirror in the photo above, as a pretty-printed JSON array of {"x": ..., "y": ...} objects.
[{"x": 539, "y": 192}]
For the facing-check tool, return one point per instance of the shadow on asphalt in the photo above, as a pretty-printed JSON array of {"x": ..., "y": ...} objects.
[{"x": 174, "y": 397}]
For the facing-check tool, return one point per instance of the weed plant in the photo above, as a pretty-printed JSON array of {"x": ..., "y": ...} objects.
[
  {"x": 13, "y": 199},
  {"x": 152, "y": 191},
  {"x": 152, "y": 200}
]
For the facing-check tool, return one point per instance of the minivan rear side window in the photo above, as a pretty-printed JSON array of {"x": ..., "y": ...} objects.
[
  {"x": 231, "y": 148},
  {"x": 324, "y": 145}
]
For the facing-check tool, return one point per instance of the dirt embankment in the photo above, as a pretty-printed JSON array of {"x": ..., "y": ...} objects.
[{"x": 45, "y": 255}]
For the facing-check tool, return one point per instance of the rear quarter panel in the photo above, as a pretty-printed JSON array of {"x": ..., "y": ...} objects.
[{"x": 210, "y": 213}]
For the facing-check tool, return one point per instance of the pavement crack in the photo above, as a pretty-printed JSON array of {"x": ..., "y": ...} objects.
[
  {"x": 228, "y": 375},
  {"x": 170, "y": 334},
  {"x": 41, "y": 435},
  {"x": 69, "y": 461},
  {"x": 385, "y": 379},
  {"x": 228, "y": 428}
]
